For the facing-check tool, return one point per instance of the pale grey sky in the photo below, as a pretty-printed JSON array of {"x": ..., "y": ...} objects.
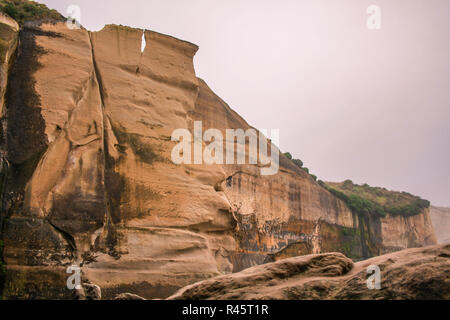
[{"x": 368, "y": 105}]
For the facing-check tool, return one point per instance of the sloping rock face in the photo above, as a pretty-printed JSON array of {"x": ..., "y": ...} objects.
[
  {"x": 9, "y": 33},
  {"x": 289, "y": 214},
  {"x": 88, "y": 177},
  {"x": 441, "y": 222},
  {"x": 422, "y": 273}
]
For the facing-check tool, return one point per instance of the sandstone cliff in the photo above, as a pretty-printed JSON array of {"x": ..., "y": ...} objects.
[
  {"x": 441, "y": 222},
  {"x": 87, "y": 176}
]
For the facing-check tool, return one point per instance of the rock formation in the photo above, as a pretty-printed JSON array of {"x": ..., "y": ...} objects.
[
  {"x": 441, "y": 222},
  {"x": 87, "y": 176},
  {"x": 8, "y": 43},
  {"x": 422, "y": 273},
  {"x": 128, "y": 296}
]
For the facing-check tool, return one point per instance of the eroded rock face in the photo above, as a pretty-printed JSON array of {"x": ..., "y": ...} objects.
[
  {"x": 128, "y": 296},
  {"x": 422, "y": 273},
  {"x": 441, "y": 222},
  {"x": 9, "y": 33},
  {"x": 400, "y": 232},
  {"x": 89, "y": 178}
]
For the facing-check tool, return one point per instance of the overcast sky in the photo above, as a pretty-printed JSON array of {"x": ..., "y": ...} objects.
[{"x": 368, "y": 105}]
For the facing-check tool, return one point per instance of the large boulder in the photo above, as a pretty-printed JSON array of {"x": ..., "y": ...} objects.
[{"x": 422, "y": 273}]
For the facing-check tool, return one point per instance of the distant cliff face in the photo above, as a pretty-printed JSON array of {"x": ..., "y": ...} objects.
[
  {"x": 87, "y": 176},
  {"x": 441, "y": 222}
]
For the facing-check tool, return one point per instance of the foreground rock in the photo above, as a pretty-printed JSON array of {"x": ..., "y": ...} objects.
[{"x": 409, "y": 274}]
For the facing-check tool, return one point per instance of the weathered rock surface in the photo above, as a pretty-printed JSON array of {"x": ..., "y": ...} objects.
[
  {"x": 88, "y": 177},
  {"x": 128, "y": 296},
  {"x": 9, "y": 33},
  {"x": 399, "y": 232},
  {"x": 92, "y": 291},
  {"x": 441, "y": 222},
  {"x": 422, "y": 273}
]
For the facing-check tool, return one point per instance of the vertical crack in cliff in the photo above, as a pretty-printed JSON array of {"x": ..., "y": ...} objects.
[
  {"x": 98, "y": 78},
  {"x": 67, "y": 236},
  {"x": 97, "y": 73},
  {"x": 108, "y": 164}
]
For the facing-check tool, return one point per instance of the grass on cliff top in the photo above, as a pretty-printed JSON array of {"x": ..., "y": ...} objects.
[
  {"x": 364, "y": 199},
  {"x": 299, "y": 163},
  {"x": 23, "y": 10}
]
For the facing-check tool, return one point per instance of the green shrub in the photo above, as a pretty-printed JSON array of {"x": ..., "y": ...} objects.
[
  {"x": 412, "y": 209},
  {"x": 22, "y": 11},
  {"x": 288, "y": 155},
  {"x": 338, "y": 194},
  {"x": 367, "y": 200},
  {"x": 348, "y": 184},
  {"x": 11, "y": 10},
  {"x": 298, "y": 162}
]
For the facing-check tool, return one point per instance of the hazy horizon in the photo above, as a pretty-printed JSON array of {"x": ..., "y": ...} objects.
[{"x": 372, "y": 106}]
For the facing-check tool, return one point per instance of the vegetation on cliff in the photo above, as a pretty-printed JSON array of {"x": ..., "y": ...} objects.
[
  {"x": 367, "y": 200},
  {"x": 22, "y": 11},
  {"x": 299, "y": 163},
  {"x": 370, "y": 201}
]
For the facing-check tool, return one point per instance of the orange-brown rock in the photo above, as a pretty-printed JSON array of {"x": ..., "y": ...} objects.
[
  {"x": 89, "y": 179},
  {"x": 422, "y": 273},
  {"x": 9, "y": 32}
]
